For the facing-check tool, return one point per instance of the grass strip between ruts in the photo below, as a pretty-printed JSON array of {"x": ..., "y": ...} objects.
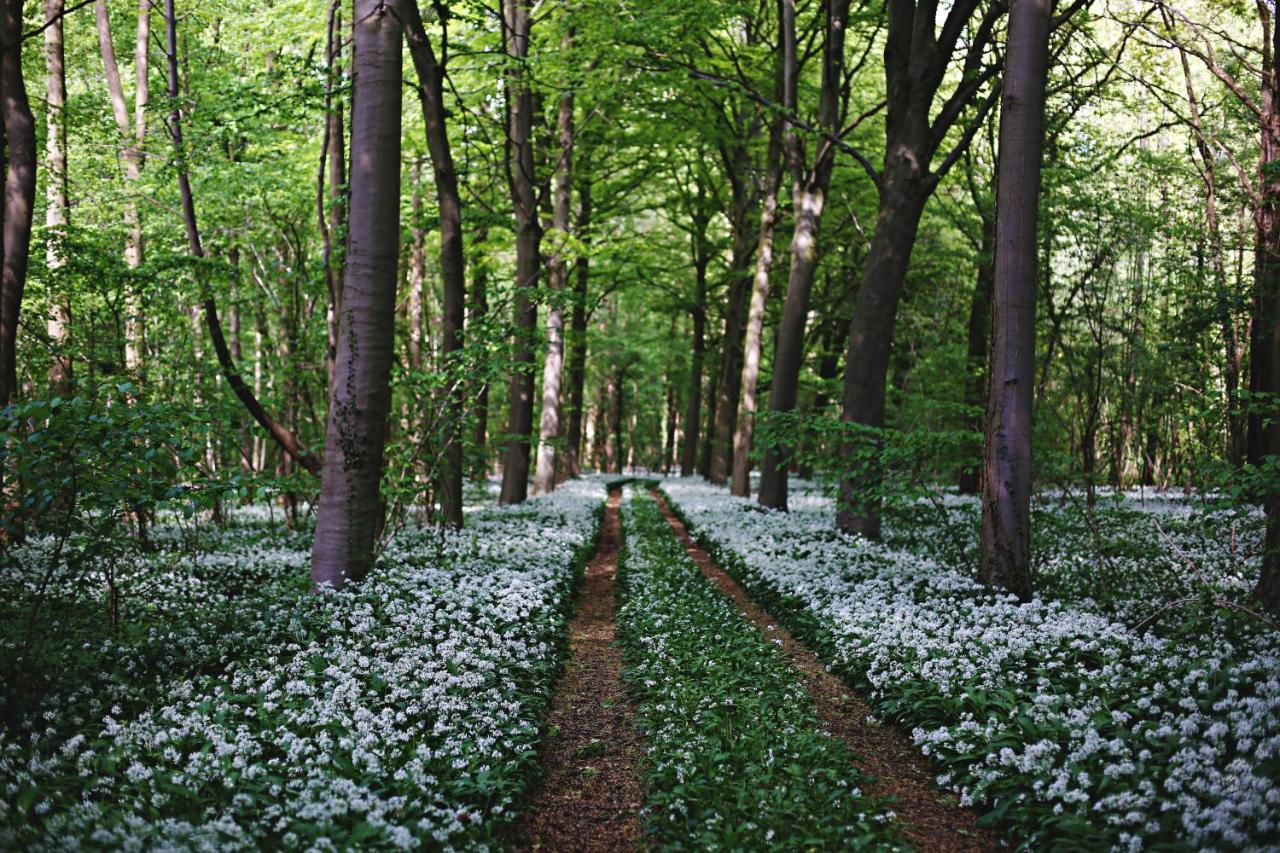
[{"x": 735, "y": 757}]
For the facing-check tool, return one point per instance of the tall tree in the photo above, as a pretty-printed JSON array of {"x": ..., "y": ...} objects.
[
  {"x": 350, "y": 509},
  {"x": 330, "y": 208},
  {"x": 19, "y": 194},
  {"x": 810, "y": 184},
  {"x": 286, "y": 440},
  {"x": 557, "y": 280},
  {"x": 786, "y": 85},
  {"x": 522, "y": 181},
  {"x": 701, "y": 251},
  {"x": 132, "y": 134},
  {"x": 431, "y": 74},
  {"x": 1006, "y": 480},
  {"x": 56, "y": 206},
  {"x": 577, "y": 340},
  {"x": 919, "y": 119}
]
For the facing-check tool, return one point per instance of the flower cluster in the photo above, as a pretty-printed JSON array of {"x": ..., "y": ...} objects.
[
  {"x": 1067, "y": 724},
  {"x": 400, "y": 712},
  {"x": 735, "y": 756}
]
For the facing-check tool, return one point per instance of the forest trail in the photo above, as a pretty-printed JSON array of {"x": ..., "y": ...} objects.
[
  {"x": 931, "y": 818},
  {"x": 590, "y": 795}
]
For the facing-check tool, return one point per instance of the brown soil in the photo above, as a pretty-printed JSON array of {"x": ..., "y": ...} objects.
[
  {"x": 931, "y": 818},
  {"x": 590, "y": 796}
]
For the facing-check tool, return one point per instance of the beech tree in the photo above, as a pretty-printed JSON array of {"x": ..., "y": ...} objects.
[
  {"x": 350, "y": 508},
  {"x": 20, "y": 191},
  {"x": 810, "y": 184},
  {"x": 431, "y": 73},
  {"x": 56, "y": 204},
  {"x": 522, "y": 180},
  {"x": 1006, "y": 481}
]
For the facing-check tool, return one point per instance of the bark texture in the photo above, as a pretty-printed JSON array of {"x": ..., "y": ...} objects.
[
  {"x": 808, "y": 197},
  {"x": 19, "y": 195},
  {"x": 577, "y": 369},
  {"x": 1006, "y": 477},
  {"x": 350, "y": 508},
  {"x": 56, "y": 206},
  {"x": 132, "y": 133},
  {"x": 557, "y": 279},
  {"x": 740, "y": 483},
  {"x": 431, "y": 72},
  {"x": 693, "y": 402},
  {"x": 520, "y": 173},
  {"x": 918, "y": 121}
]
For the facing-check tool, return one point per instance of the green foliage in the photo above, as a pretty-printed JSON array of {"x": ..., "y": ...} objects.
[{"x": 735, "y": 758}]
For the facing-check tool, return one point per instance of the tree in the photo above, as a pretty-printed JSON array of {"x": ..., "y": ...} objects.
[
  {"x": 918, "y": 122},
  {"x": 431, "y": 75},
  {"x": 558, "y": 279},
  {"x": 132, "y": 135},
  {"x": 753, "y": 344},
  {"x": 524, "y": 201},
  {"x": 55, "y": 217},
  {"x": 1006, "y": 480},
  {"x": 20, "y": 191},
  {"x": 349, "y": 511},
  {"x": 808, "y": 197}
]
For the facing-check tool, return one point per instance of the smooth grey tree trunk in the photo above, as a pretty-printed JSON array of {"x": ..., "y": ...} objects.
[
  {"x": 431, "y": 74},
  {"x": 808, "y": 197},
  {"x": 520, "y": 163},
  {"x": 55, "y": 216},
  {"x": 557, "y": 279},
  {"x": 740, "y": 483},
  {"x": 20, "y": 192},
  {"x": 350, "y": 508},
  {"x": 132, "y": 135},
  {"x": 577, "y": 370},
  {"x": 1006, "y": 476},
  {"x": 478, "y": 305},
  {"x": 693, "y": 402}
]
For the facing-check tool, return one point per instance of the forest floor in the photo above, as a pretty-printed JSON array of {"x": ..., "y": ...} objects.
[
  {"x": 931, "y": 818},
  {"x": 555, "y": 677},
  {"x": 590, "y": 795}
]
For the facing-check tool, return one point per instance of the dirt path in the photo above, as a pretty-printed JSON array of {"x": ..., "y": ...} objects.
[
  {"x": 590, "y": 795},
  {"x": 931, "y": 818}
]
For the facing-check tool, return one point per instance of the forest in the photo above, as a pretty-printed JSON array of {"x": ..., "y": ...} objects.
[{"x": 601, "y": 425}]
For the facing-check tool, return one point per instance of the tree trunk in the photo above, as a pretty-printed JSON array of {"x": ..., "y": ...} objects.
[
  {"x": 1264, "y": 427},
  {"x": 417, "y": 266},
  {"x": 975, "y": 388},
  {"x": 902, "y": 202},
  {"x": 431, "y": 73},
  {"x": 130, "y": 152},
  {"x": 578, "y": 337},
  {"x": 20, "y": 192},
  {"x": 557, "y": 278},
  {"x": 515, "y": 459},
  {"x": 672, "y": 415},
  {"x": 740, "y": 483},
  {"x": 333, "y": 166},
  {"x": 616, "y": 422},
  {"x": 286, "y": 440},
  {"x": 479, "y": 390},
  {"x": 349, "y": 507},
  {"x": 1006, "y": 480},
  {"x": 729, "y": 376},
  {"x": 55, "y": 220},
  {"x": 808, "y": 196},
  {"x": 693, "y": 403}
]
